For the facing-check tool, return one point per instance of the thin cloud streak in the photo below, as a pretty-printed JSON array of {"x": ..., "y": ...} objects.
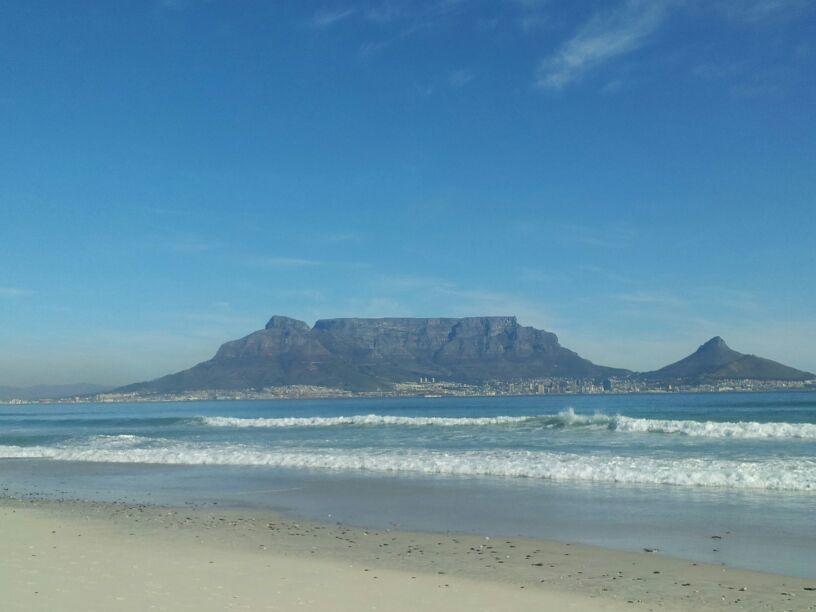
[
  {"x": 761, "y": 11},
  {"x": 282, "y": 262},
  {"x": 326, "y": 18},
  {"x": 13, "y": 292},
  {"x": 652, "y": 298},
  {"x": 615, "y": 237},
  {"x": 441, "y": 297},
  {"x": 193, "y": 245},
  {"x": 606, "y": 36}
]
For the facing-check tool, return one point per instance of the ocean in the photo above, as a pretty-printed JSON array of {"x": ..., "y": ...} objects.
[{"x": 720, "y": 478}]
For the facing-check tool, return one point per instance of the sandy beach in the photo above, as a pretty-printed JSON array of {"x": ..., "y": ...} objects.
[{"x": 102, "y": 556}]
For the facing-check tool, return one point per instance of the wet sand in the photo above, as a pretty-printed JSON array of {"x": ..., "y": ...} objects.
[{"x": 64, "y": 555}]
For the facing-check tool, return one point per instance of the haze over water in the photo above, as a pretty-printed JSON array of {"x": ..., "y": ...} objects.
[{"x": 635, "y": 471}]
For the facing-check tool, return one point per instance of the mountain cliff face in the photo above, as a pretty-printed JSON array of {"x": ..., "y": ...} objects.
[
  {"x": 715, "y": 360},
  {"x": 362, "y": 354}
]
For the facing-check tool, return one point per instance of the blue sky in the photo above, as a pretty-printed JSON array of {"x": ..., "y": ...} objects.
[{"x": 634, "y": 176}]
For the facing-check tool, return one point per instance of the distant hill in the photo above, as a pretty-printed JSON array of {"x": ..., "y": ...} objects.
[
  {"x": 366, "y": 354},
  {"x": 715, "y": 360},
  {"x": 39, "y": 392}
]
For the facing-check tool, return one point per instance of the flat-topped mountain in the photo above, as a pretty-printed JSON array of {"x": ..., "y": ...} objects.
[
  {"x": 364, "y": 354},
  {"x": 715, "y": 360}
]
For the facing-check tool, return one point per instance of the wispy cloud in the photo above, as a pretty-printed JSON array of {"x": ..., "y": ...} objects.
[
  {"x": 411, "y": 283},
  {"x": 650, "y": 298},
  {"x": 607, "y": 35},
  {"x": 533, "y": 15},
  {"x": 612, "y": 33},
  {"x": 13, "y": 292},
  {"x": 432, "y": 296},
  {"x": 173, "y": 5},
  {"x": 404, "y": 16},
  {"x": 612, "y": 237},
  {"x": 465, "y": 301},
  {"x": 192, "y": 245},
  {"x": 338, "y": 237},
  {"x": 302, "y": 295},
  {"x": 325, "y": 18},
  {"x": 402, "y": 20},
  {"x": 373, "y": 47},
  {"x": 688, "y": 304},
  {"x": 761, "y": 11},
  {"x": 275, "y": 262},
  {"x": 459, "y": 78},
  {"x": 609, "y": 275},
  {"x": 718, "y": 70},
  {"x": 756, "y": 79},
  {"x": 738, "y": 302},
  {"x": 537, "y": 276},
  {"x": 386, "y": 12},
  {"x": 181, "y": 242}
]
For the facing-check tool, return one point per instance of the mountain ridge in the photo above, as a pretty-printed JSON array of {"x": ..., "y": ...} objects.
[
  {"x": 367, "y": 353},
  {"x": 363, "y": 354}
]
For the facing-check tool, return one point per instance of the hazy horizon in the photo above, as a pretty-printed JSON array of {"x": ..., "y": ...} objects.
[{"x": 636, "y": 177}]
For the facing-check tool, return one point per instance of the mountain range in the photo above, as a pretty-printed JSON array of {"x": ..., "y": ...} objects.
[{"x": 367, "y": 354}]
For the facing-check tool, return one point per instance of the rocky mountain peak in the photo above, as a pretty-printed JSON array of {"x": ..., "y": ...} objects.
[{"x": 282, "y": 322}]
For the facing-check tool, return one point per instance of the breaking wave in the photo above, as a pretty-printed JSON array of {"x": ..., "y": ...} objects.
[
  {"x": 362, "y": 419},
  {"x": 716, "y": 429},
  {"x": 773, "y": 474},
  {"x": 564, "y": 419}
]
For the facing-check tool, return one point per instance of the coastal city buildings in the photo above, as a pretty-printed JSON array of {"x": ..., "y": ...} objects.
[{"x": 428, "y": 387}]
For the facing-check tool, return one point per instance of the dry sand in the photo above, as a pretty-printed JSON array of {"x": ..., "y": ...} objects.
[{"x": 94, "y": 556}]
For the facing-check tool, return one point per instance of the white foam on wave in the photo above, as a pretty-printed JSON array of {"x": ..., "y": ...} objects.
[
  {"x": 121, "y": 440},
  {"x": 774, "y": 474},
  {"x": 564, "y": 419},
  {"x": 362, "y": 419},
  {"x": 716, "y": 429}
]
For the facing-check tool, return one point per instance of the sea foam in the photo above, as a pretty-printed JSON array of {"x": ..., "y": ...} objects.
[
  {"x": 564, "y": 419},
  {"x": 717, "y": 429},
  {"x": 773, "y": 474},
  {"x": 361, "y": 420}
]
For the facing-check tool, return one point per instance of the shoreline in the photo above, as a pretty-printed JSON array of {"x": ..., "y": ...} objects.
[
  {"x": 153, "y": 400},
  {"x": 47, "y": 560}
]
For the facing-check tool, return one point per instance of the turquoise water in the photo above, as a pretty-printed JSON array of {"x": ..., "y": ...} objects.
[{"x": 624, "y": 471}]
